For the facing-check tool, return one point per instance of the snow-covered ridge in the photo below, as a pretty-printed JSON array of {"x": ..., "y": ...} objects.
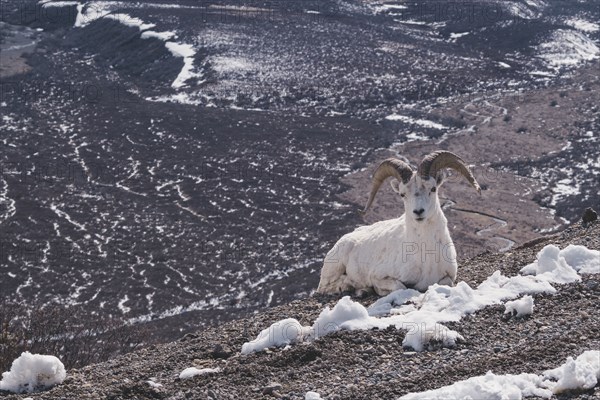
[
  {"x": 567, "y": 48},
  {"x": 531, "y": 10},
  {"x": 421, "y": 314},
  {"x": 583, "y": 25},
  {"x": 95, "y": 10}
]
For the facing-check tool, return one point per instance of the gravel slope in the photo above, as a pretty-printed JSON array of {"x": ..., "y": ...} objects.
[{"x": 367, "y": 364}]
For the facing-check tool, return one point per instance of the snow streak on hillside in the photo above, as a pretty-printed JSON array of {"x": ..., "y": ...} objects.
[{"x": 95, "y": 10}]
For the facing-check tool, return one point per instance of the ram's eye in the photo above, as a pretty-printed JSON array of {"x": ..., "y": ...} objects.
[
  {"x": 433, "y": 189},
  {"x": 402, "y": 195}
]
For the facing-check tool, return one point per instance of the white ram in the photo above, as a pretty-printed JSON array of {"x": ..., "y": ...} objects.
[{"x": 413, "y": 251}]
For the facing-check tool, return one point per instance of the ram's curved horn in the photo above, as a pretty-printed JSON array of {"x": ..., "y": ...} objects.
[
  {"x": 390, "y": 167},
  {"x": 433, "y": 163}
]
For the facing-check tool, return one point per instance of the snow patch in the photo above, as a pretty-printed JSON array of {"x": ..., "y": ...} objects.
[
  {"x": 419, "y": 336},
  {"x": 562, "y": 266},
  {"x": 420, "y": 122},
  {"x": 385, "y": 304},
  {"x": 582, "y": 373},
  {"x": 279, "y": 334},
  {"x": 564, "y": 188},
  {"x": 391, "y": 9},
  {"x": 33, "y": 373},
  {"x": 455, "y": 36},
  {"x": 522, "y": 306},
  {"x": 568, "y": 48},
  {"x": 154, "y": 385},
  {"x": 312, "y": 396},
  {"x": 531, "y": 10},
  {"x": 164, "y": 36},
  {"x": 128, "y": 20},
  {"x": 582, "y": 259},
  {"x": 583, "y": 25},
  {"x": 193, "y": 371},
  {"x": 60, "y": 4},
  {"x": 187, "y": 52},
  {"x": 489, "y": 387},
  {"x": 92, "y": 11},
  {"x": 344, "y": 315}
]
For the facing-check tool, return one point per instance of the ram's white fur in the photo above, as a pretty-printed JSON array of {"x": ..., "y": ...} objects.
[{"x": 413, "y": 251}]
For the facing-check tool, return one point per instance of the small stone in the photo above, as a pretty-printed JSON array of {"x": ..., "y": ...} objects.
[
  {"x": 593, "y": 285},
  {"x": 271, "y": 388},
  {"x": 188, "y": 336},
  {"x": 589, "y": 215},
  {"x": 220, "y": 351}
]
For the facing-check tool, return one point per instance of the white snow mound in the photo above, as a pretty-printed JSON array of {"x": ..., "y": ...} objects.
[
  {"x": 562, "y": 266},
  {"x": 489, "y": 387},
  {"x": 281, "y": 333},
  {"x": 581, "y": 259},
  {"x": 33, "y": 373},
  {"x": 193, "y": 371},
  {"x": 418, "y": 336},
  {"x": 312, "y": 396},
  {"x": 522, "y": 306},
  {"x": 346, "y": 314},
  {"x": 579, "y": 374}
]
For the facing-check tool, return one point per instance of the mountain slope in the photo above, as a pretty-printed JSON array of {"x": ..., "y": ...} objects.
[
  {"x": 125, "y": 196},
  {"x": 363, "y": 364}
]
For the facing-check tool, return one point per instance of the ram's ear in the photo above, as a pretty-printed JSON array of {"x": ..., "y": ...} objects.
[{"x": 395, "y": 184}]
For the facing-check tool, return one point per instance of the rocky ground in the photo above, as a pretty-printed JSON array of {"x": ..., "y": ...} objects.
[{"x": 363, "y": 364}]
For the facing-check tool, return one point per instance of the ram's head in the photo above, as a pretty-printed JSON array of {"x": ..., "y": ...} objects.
[{"x": 419, "y": 189}]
